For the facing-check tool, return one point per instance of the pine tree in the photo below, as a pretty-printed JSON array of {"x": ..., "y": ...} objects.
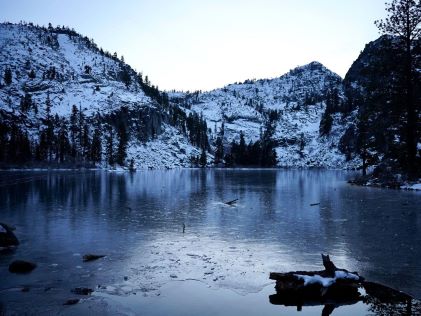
[
  {"x": 81, "y": 132},
  {"x": 326, "y": 124},
  {"x": 219, "y": 144},
  {"x": 31, "y": 74},
  {"x": 242, "y": 158},
  {"x": 110, "y": 145},
  {"x": 86, "y": 142},
  {"x": 332, "y": 105},
  {"x": 203, "y": 159},
  {"x": 364, "y": 142},
  {"x": 302, "y": 144},
  {"x": 131, "y": 165},
  {"x": 122, "y": 144},
  {"x": 63, "y": 142},
  {"x": 96, "y": 148},
  {"x": 48, "y": 107},
  {"x": 25, "y": 102},
  {"x": 74, "y": 130},
  {"x": 49, "y": 131},
  {"x": 8, "y": 76},
  {"x": 403, "y": 21}
]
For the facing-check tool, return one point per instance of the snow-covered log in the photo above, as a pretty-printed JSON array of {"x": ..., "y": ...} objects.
[
  {"x": 308, "y": 288},
  {"x": 331, "y": 287}
]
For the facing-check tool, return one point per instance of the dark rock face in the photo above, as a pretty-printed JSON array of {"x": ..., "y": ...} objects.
[
  {"x": 7, "y": 237},
  {"x": 21, "y": 267}
]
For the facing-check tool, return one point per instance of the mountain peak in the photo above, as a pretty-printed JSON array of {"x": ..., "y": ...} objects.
[{"x": 312, "y": 68}]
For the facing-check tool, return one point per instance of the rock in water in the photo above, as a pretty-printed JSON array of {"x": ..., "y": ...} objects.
[
  {"x": 21, "y": 267},
  {"x": 7, "y": 237},
  {"x": 72, "y": 301},
  {"x": 91, "y": 257},
  {"x": 82, "y": 291}
]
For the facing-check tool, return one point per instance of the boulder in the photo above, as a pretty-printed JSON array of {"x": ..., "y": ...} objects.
[
  {"x": 21, "y": 267},
  {"x": 82, "y": 291}
]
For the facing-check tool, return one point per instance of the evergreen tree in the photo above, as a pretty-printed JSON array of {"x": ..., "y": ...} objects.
[
  {"x": 325, "y": 124},
  {"x": 268, "y": 154},
  {"x": 96, "y": 148},
  {"x": 131, "y": 165},
  {"x": 332, "y": 105},
  {"x": 8, "y": 76},
  {"x": 122, "y": 144},
  {"x": 110, "y": 145},
  {"x": 219, "y": 144},
  {"x": 203, "y": 159},
  {"x": 403, "y": 21},
  {"x": 49, "y": 130},
  {"x": 48, "y": 107},
  {"x": 63, "y": 142},
  {"x": 125, "y": 76},
  {"x": 241, "y": 155},
  {"x": 86, "y": 142},
  {"x": 302, "y": 144},
  {"x": 25, "y": 102},
  {"x": 31, "y": 74},
  {"x": 74, "y": 130},
  {"x": 364, "y": 142}
]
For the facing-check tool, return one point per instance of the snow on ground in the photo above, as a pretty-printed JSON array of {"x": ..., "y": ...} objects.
[
  {"x": 413, "y": 187},
  {"x": 295, "y": 95},
  {"x": 24, "y": 49},
  {"x": 171, "y": 149}
]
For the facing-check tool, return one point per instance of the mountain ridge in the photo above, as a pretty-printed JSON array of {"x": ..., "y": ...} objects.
[{"x": 170, "y": 128}]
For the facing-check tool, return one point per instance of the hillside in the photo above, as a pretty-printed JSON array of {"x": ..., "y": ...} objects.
[
  {"x": 71, "y": 71},
  {"x": 299, "y": 99},
  {"x": 63, "y": 100}
]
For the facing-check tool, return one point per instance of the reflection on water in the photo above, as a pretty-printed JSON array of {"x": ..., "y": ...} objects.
[{"x": 137, "y": 219}]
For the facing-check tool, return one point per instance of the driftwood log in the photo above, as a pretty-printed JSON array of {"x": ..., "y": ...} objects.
[
  {"x": 301, "y": 288},
  {"x": 231, "y": 203},
  {"x": 332, "y": 287},
  {"x": 92, "y": 257}
]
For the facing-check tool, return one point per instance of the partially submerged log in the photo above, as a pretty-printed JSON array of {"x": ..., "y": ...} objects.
[
  {"x": 72, "y": 301},
  {"x": 308, "y": 288},
  {"x": 331, "y": 287},
  {"x": 92, "y": 257},
  {"x": 7, "y": 237},
  {"x": 385, "y": 294},
  {"x": 302, "y": 280},
  {"x": 231, "y": 203}
]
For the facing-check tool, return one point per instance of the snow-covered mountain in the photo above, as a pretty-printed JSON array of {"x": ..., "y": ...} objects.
[
  {"x": 300, "y": 98},
  {"x": 59, "y": 67},
  {"x": 70, "y": 69}
]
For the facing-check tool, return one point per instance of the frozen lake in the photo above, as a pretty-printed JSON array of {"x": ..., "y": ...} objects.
[{"x": 221, "y": 263}]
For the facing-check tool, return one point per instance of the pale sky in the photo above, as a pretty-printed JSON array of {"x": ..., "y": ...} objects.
[{"x": 206, "y": 44}]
